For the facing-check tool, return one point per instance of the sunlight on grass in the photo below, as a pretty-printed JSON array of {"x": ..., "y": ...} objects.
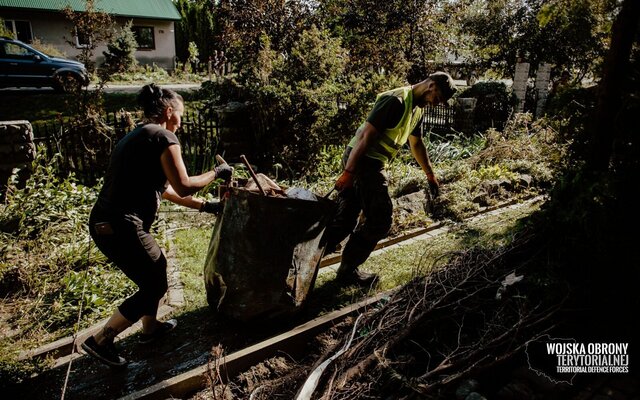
[
  {"x": 396, "y": 266},
  {"x": 191, "y": 250}
]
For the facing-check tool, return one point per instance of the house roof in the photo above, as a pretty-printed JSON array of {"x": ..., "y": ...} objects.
[{"x": 152, "y": 9}]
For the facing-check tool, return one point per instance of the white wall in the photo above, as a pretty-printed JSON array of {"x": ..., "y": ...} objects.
[{"x": 54, "y": 29}]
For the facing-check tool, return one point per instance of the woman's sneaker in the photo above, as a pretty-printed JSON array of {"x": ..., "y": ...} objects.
[
  {"x": 106, "y": 353},
  {"x": 160, "y": 331}
]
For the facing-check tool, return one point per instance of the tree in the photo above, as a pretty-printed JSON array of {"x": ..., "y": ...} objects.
[
  {"x": 121, "y": 48},
  {"x": 568, "y": 33},
  {"x": 91, "y": 28},
  {"x": 611, "y": 92},
  {"x": 245, "y": 21},
  {"x": 198, "y": 24},
  {"x": 399, "y": 37}
]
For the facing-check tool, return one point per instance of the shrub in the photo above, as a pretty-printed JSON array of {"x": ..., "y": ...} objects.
[
  {"x": 119, "y": 56},
  {"x": 303, "y": 102},
  {"x": 4, "y": 31},
  {"x": 143, "y": 73},
  {"x": 45, "y": 249},
  {"x": 47, "y": 48},
  {"x": 571, "y": 109},
  {"x": 193, "y": 59},
  {"x": 523, "y": 159}
]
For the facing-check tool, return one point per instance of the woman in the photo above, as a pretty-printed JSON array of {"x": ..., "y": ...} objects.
[{"x": 145, "y": 166}]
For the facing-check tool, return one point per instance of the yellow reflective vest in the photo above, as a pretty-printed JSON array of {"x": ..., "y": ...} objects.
[{"x": 389, "y": 142}]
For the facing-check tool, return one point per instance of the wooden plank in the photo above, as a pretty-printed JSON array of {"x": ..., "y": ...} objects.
[
  {"x": 62, "y": 347},
  {"x": 195, "y": 379}
]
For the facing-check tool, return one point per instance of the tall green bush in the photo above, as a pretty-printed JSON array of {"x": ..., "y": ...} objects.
[
  {"x": 119, "y": 56},
  {"x": 198, "y": 24},
  {"x": 302, "y": 101}
]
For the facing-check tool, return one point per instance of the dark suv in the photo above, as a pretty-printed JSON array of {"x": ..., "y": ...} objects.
[{"x": 23, "y": 66}]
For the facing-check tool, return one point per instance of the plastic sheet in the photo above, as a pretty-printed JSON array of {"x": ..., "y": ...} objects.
[{"x": 264, "y": 254}]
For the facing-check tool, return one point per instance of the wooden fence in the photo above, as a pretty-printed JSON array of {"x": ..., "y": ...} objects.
[{"x": 85, "y": 151}]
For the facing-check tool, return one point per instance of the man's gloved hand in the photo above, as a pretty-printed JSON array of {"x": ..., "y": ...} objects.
[
  {"x": 212, "y": 207},
  {"x": 224, "y": 172},
  {"x": 434, "y": 186},
  {"x": 345, "y": 181}
]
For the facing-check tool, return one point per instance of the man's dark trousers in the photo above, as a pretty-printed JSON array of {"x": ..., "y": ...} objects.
[{"x": 369, "y": 194}]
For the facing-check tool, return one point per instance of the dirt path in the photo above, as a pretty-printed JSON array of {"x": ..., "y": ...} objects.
[{"x": 184, "y": 349}]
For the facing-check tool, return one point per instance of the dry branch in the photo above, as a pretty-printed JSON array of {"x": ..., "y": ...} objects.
[{"x": 456, "y": 320}]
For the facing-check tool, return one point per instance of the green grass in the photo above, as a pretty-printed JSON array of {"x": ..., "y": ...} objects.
[
  {"x": 191, "y": 251},
  {"x": 397, "y": 266}
]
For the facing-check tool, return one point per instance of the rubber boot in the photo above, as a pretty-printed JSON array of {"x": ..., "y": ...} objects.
[{"x": 353, "y": 276}]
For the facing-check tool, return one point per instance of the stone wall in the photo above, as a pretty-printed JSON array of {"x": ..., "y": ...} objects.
[{"x": 17, "y": 150}]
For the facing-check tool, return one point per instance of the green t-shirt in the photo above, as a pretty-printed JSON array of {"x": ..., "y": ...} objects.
[{"x": 387, "y": 112}]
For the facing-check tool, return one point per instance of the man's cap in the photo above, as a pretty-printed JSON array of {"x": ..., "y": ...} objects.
[{"x": 445, "y": 84}]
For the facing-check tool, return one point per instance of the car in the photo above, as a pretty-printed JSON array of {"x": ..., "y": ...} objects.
[{"x": 23, "y": 66}]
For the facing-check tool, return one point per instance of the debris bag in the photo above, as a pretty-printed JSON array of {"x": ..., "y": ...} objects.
[{"x": 264, "y": 254}]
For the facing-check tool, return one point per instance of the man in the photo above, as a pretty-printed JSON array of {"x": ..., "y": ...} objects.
[{"x": 396, "y": 117}]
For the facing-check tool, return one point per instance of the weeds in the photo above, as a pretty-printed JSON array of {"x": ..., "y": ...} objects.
[
  {"x": 47, "y": 259},
  {"x": 522, "y": 160}
]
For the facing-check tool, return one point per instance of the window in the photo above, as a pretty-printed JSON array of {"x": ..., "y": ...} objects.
[
  {"x": 145, "y": 37},
  {"x": 21, "y": 30},
  {"x": 12, "y": 50}
]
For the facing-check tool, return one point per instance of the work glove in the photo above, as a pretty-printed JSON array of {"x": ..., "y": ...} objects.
[
  {"x": 224, "y": 172},
  {"x": 212, "y": 207},
  {"x": 345, "y": 181},
  {"x": 434, "y": 186}
]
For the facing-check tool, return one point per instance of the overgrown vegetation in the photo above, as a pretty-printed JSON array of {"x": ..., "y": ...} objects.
[
  {"x": 47, "y": 48},
  {"x": 494, "y": 106},
  {"x": 308, "y": 76},
  {"x": 397, "y": 266},
  {"x": 49, "y": 267},
  {"x": 474, "y": 172}
]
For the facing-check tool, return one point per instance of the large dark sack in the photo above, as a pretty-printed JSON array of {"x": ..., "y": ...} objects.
[{"x": 264, "y": 254}]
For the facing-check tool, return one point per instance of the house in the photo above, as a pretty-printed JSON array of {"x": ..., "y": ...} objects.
[{"x": 153, "y": 25}]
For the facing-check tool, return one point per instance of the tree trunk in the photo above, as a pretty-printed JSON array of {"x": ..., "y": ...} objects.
[{"x": 612, "y": 86}]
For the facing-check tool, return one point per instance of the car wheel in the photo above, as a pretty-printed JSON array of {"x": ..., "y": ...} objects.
[{"x": 67, "y": 83}]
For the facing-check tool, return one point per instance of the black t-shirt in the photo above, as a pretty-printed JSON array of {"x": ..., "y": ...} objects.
[
  {"x": 135, "y": 180},
  {"x": 387, "y": 113}
]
